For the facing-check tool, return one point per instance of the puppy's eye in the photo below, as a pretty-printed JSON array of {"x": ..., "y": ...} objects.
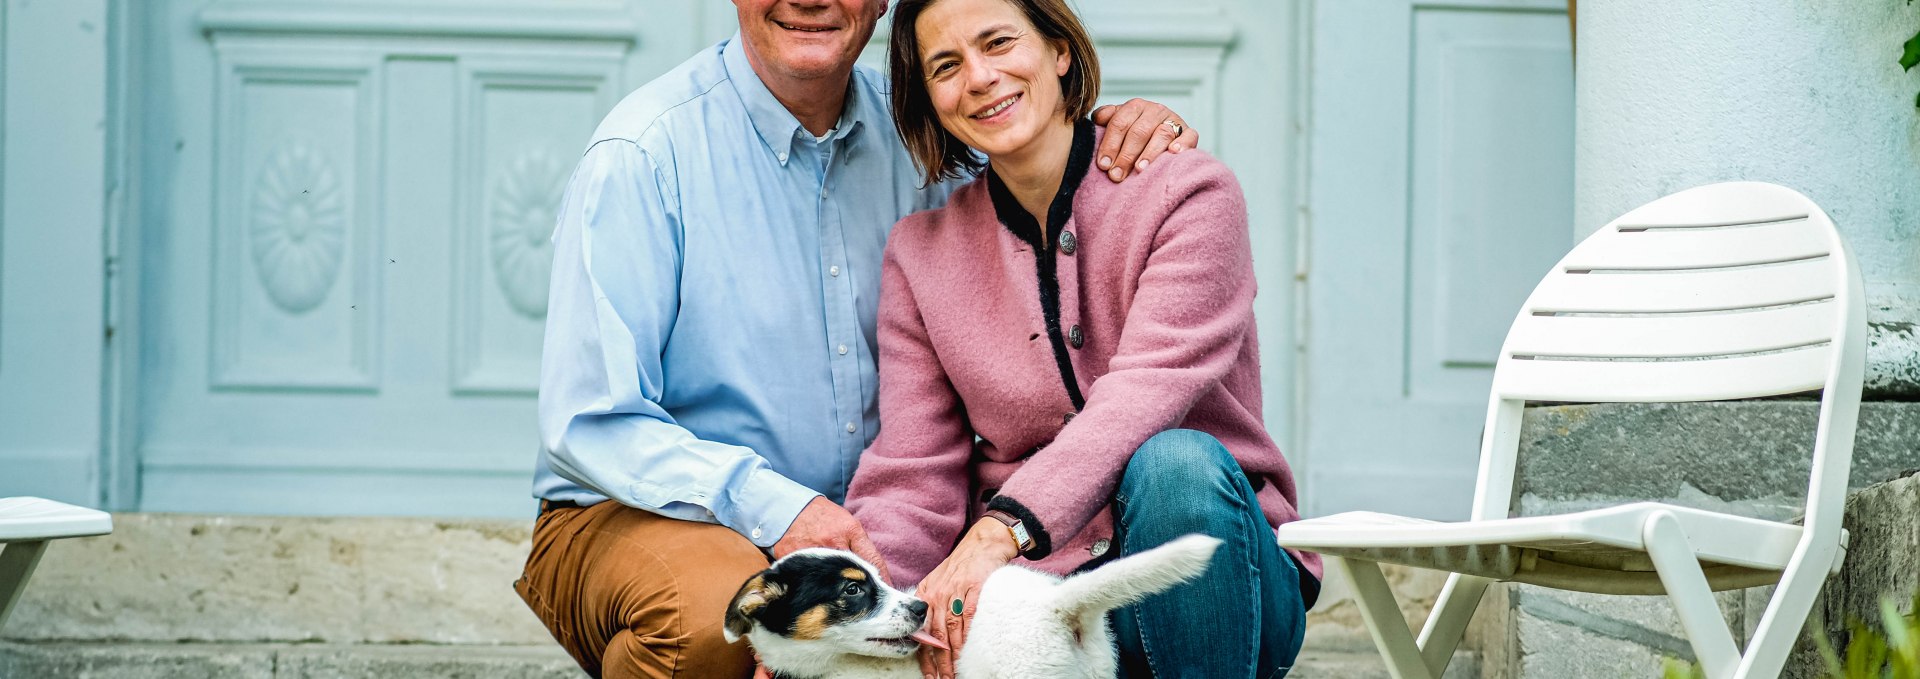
[{"x": 853, "y": 589}]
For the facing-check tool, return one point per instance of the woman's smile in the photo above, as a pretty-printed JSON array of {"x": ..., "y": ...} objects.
[{"x": 993, "y": 113}]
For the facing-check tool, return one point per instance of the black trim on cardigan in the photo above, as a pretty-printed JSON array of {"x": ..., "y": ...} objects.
[
  {"x": 1021, "y": 223},
  {"x": 1042, "y": 543}
]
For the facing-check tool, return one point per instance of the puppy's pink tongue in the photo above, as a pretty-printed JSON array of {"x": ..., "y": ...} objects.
[{"x": 924, "y": 638}]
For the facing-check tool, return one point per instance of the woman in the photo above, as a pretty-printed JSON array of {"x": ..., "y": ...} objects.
[{"x": 1068, "y": 368}]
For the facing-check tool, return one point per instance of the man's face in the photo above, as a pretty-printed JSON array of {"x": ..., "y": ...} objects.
[{"x": 807, "y": 39}]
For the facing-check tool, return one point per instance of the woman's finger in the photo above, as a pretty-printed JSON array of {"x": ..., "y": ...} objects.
[
  {"x": 926, "y": 662},
  {"x": 972, "y": 599}
]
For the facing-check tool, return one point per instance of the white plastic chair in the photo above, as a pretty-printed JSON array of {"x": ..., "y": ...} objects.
[
  {"x": 26, "y": 524},
  {"x": 1726, "y": 291}
]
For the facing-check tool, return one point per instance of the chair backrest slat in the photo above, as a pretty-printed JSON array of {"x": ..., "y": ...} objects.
[
  {"x": 1786, "y": 372},
  {"x": 1668, "y": 292},
  {"x": 1692, "y": 248},
  {"x": 1673, "y": 336}
]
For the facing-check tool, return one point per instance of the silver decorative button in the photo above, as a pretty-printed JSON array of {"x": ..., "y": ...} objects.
[{"x": 1100, "y": 547}]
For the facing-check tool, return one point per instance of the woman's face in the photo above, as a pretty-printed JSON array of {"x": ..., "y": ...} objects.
[{"x": 993, "y": 79}]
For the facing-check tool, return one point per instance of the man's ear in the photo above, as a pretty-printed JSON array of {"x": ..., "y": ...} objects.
[{"x": 753, "y": 596}]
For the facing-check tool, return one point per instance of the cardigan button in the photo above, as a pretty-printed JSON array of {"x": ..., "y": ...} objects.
[
  {"x": 1066, "y": 419},
  {"x": 1068, "y": 243},
  {"x": 1075, "y": 337}
]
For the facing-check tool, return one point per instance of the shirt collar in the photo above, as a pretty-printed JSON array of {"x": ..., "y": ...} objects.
[
  {"x": 777, "y": 126},
  {"x": 1017, "y": 219}
]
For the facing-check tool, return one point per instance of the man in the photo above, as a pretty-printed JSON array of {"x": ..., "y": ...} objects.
[{"x": 709, "y": 357}]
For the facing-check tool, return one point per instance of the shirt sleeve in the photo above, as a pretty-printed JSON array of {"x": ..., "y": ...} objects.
[
  {"x": 612, "y": 303},
  {"x": 910, "y": 490},
  {"x": 1183, "y": 332}
]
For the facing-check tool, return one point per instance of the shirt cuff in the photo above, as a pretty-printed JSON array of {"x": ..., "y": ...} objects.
[{"x": 766, "y": 506}]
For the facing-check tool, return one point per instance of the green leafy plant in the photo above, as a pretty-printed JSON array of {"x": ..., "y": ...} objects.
[
  {"x": 1910, "y": 56},
  {"x": 1891, "y": 652}
]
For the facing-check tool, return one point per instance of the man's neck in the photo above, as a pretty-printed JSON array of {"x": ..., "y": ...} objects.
[
  {"x": 1033, "y": 173},
  {"x": 817, "y": 103}
]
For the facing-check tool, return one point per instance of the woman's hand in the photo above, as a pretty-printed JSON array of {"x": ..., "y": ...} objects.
[{"x": 987, "y": 546}]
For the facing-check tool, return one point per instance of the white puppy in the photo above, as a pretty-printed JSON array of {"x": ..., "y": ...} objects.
[{"x": 824, "y": 614}]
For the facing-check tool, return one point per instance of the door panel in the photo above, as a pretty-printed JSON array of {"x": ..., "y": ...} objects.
[{"x": 1441, "y": 192}]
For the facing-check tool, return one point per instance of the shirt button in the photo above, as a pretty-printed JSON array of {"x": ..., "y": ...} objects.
[
  {"x": 833, "y": 271},
  {"x": 1100, "y": 547},
  {"x": 756, "y": 533},
  {"x": 1075, "y": 337},
  {"x": 849, "y": 427},
  {"x": 1068, "y": 243},
  {"x": 782, "y": 156},
  {"x": 843, "y": 350}
]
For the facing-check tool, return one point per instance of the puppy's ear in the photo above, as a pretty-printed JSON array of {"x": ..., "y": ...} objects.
[{"x": 753, "y": 596}]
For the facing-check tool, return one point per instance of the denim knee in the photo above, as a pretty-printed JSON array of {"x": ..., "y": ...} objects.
[{"x": 1178, "y": 467}]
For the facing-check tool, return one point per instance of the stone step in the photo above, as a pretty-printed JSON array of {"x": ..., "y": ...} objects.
[
  {"x": 62, "y": 660},
  {"x": 76, "y": 660},
  {"x": 1355, "y": 664}
]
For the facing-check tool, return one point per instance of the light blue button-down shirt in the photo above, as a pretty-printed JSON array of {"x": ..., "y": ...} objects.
[{"x": 710, "y": 333}]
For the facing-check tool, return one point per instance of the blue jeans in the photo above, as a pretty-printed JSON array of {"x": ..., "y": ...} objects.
[{"x": 1244, "y": 617}]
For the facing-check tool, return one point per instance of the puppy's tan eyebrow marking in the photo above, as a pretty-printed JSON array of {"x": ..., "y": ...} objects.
[
  {"x": 811, "y": 624},
  {"x": 854, "y": 574}
]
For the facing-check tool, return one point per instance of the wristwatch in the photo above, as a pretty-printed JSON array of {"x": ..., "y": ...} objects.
[{"x": 1021, "y": 540}]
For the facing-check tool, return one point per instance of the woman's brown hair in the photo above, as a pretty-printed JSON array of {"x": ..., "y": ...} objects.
[{"x": 938, "y": 153}]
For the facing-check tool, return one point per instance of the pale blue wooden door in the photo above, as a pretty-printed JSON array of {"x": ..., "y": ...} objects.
[
  {"x": 1441, "y": 190},
  {"x": 53, "y": 176},
  {"x": 346, "y": 287}
]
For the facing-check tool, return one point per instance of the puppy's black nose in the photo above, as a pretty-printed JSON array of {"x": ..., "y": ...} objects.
[{"x": 918, "y": 608}]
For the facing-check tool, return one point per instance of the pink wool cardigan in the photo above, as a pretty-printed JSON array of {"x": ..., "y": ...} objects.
[{"x": 1156, "y": 285}]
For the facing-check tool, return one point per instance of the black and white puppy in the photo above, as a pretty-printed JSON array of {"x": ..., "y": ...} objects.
[{"x": 824, "y": 614}]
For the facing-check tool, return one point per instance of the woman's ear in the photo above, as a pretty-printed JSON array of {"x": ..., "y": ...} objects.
[{"x": 1064, "y": 62}]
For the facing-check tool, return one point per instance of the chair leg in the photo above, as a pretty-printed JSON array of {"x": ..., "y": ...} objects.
[
  {"x": 1382, "y": 614},
  {"x": 16, "y": 563},
  {"x": 1786, "y": 615},
  {"x": 1679, "y": 569},
  {"x": 1447, "y": 624}
]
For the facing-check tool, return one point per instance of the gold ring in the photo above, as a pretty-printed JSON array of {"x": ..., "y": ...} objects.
[
  {"x": 1178, "y": 129},
  {"x": 959, "y": 606}
]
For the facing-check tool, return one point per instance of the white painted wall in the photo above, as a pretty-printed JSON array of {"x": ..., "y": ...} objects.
[{"x": 1808, "y": 95}]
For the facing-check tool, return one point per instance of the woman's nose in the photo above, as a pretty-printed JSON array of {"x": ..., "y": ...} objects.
[{"x": 980, "y": 77}]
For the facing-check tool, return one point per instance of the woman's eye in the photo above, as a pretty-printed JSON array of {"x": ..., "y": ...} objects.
[{"x": 998, "y": 42}]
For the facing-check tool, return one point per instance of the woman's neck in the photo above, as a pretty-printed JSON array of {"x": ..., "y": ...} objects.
[{"x": 1033, "y": 173}]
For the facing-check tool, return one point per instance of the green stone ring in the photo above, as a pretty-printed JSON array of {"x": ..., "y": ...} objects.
[{"x": 959, "y": 606}]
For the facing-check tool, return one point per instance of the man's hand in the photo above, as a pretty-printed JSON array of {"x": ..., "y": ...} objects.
[
  {"x": 1137, "y": 132},
  {"x": 825, "y": 524}
]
